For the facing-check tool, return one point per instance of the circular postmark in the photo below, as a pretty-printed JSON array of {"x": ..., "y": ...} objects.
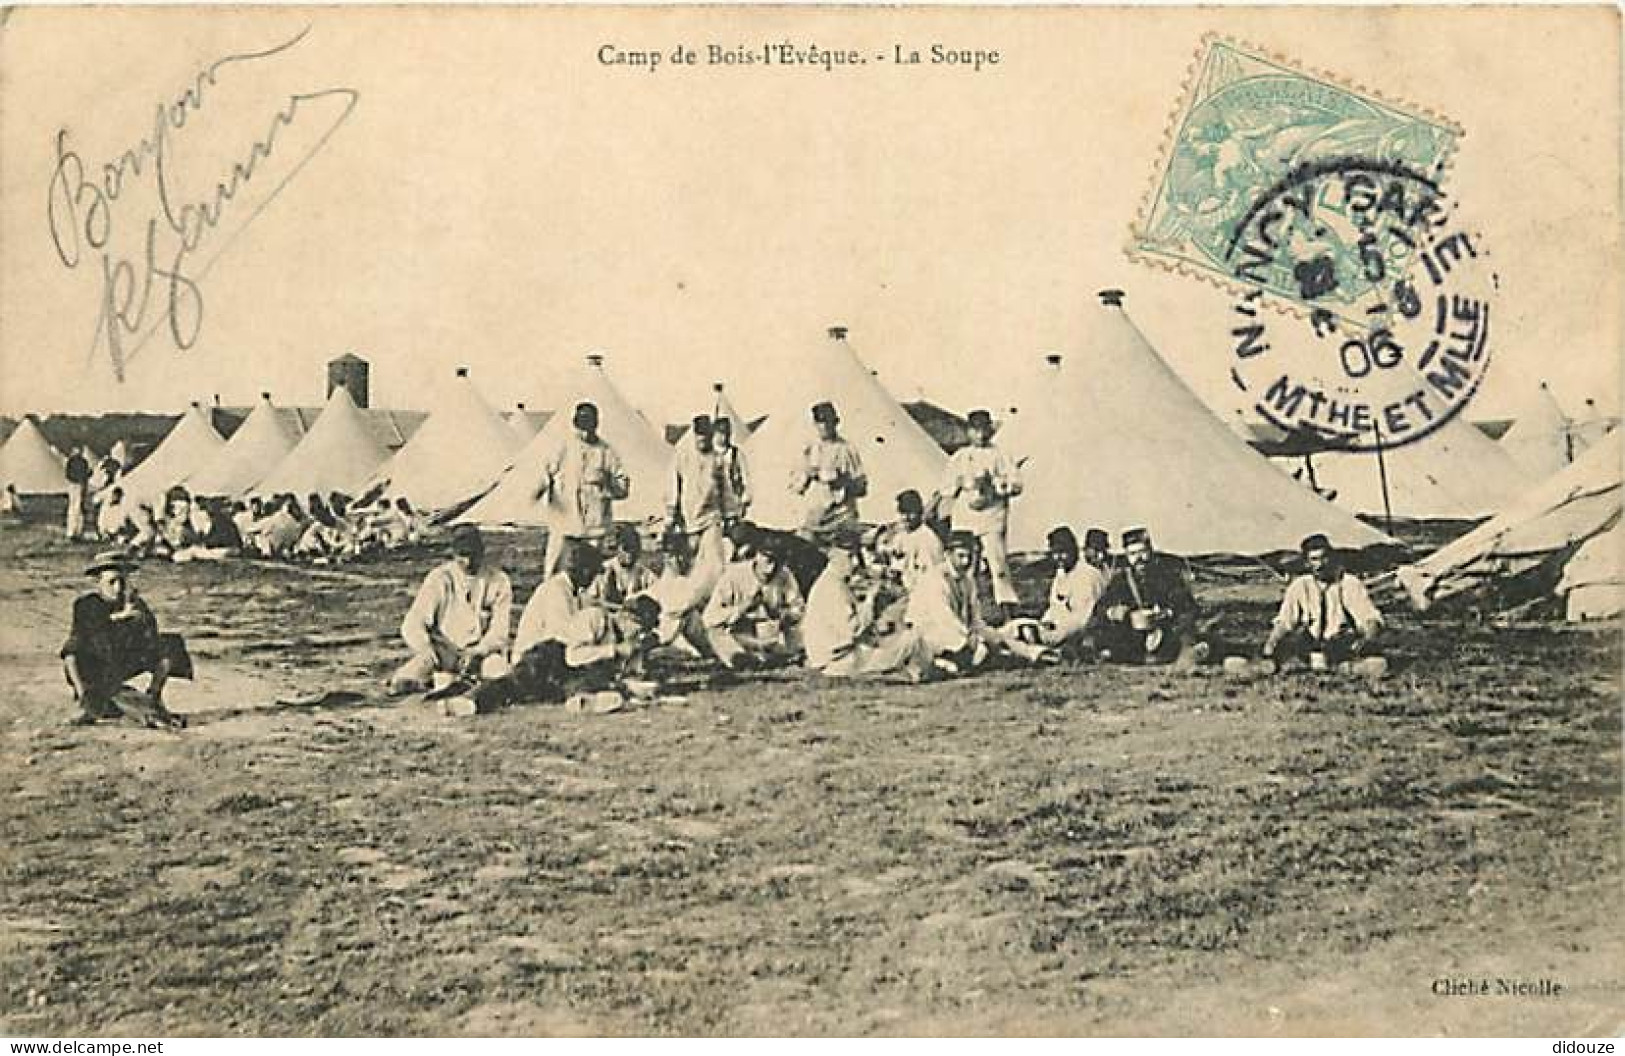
[{"x": 1396, "y": 292}]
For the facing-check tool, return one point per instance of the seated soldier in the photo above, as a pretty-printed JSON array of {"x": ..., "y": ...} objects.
[
  {"x": 568, "y": 642},
  {"x": 624, "y": 573},
  {"x": 1150, "y": 613},
  {"x": 219, "y": 528},
  {"x": 279, "y": 531},
  {"x": 243, "y": 516},
  {"x": 753, "y": 618},
  {"x": 112, "y": 518},
  {"x": 386, "y": 526},
  {"x": 682, "y": 588},
  {"x": 839, "y": 628},
  {"x": 419, "y": 524},
  {"x": 459, "y": 621},
  {"x": 114, "y": 638},
  {"x": 141, "y": 530},
  {"x": 11, "y": 503},
  {"x": 1070, "y": 619},
  {"x": 176, "y": 533},
  {"x": 551, "y": 612},
  {"x": 945, "y": 610},
  {"x": 1325, "y": 611},
  {"x": 911, "y": 544}
]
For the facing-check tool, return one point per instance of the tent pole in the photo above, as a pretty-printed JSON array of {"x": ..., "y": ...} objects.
[{"x": 1382, "y": 477}]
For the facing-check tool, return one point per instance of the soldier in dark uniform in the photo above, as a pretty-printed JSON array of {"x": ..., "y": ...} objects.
[
  {"x": 1149, "y": 611},
  {"x": 114, "y": 638}
]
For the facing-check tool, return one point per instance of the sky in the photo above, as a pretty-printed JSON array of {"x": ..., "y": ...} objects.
[{"x": 477, "y": 187}]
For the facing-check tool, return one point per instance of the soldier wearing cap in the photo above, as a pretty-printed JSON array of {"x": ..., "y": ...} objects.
[
  {"x": 1070, "y": 618},
  {"x": 460, "y": 619},
  {"x": 842, "y": 631},
  {"x": 1149, "y": 609},
  {"x": 114, "y": 638},
  {"x": 1326, "y": 610},
  {"x": 912, "y": 545},
  {"x": 733, "y": 473},
  {"x": 830, "y": 478},
  {"x": 582, "y": 480},
  {"x": 696, "y": 491},
  {"x": 945, "y": 610},
  {"x": 978, "y": 485},
  {"x": 753, "y": 616}
]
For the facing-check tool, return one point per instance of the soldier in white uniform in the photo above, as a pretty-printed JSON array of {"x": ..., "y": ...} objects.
[
  {"x": 979, "y": 484},
  {"x": 830, "y": 479},
  {"x": 582, "y": 480},
  {"x": 460, "y": 620}
]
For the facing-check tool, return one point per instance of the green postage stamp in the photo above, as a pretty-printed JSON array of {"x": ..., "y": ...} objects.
[{"x": 1249, "y": 125}]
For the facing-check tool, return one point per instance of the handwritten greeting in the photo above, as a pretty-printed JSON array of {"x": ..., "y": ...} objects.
[{"x": 159, "y": 283}]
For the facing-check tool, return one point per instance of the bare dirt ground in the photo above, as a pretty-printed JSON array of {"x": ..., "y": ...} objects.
[{"x": 1080, "y": 850}]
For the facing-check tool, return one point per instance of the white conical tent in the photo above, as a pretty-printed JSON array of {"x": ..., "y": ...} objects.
[
  {"x": 1561, "y": 513},
  {"x": 259, "y": 444},
  {"x": 29, "y": 463},
  {"x": 1112, "y": 438},
  {"x": 1539, "y": 439},
  {"x": 1453, "y": 473},
  {"x": 897, "y": 454},
  {"x": 339, "y": 453},
  {"x": 190, "y": 443},
  {"x": 1591, "y": 426},
  {"x": 525, "y": 424},
  {"x": 1594, "y": 579},
  {"x": 459, "y": 450},
  {"x": 643, "y": 454},
  {"x": 722, "y": 407}
]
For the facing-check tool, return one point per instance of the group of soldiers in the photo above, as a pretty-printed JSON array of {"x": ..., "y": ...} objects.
[
  {"x": 901, "y": 600},
  {"x": 180, "y": 526}
]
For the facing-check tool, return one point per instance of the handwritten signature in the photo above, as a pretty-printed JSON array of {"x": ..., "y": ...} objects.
[{"x": 81, "y": 211}]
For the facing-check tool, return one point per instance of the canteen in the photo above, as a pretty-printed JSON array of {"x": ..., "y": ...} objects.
[{"x": 1142, "y": 619}]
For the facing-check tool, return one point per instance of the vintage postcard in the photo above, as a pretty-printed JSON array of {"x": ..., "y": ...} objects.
[{"x": 810, "y": 521}]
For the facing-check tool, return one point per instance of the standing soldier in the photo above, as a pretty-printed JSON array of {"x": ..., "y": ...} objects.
[
  {"x": 830, "y": 479},
  {"x": 733, "y": 474},
  {"x": 582, "y": 479},
  {"x": 694, "y": 492},
  {"x": 78, "y": 473},
  {"x": 980, "y": 482}
]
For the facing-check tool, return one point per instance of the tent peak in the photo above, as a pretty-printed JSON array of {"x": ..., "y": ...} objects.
[
  {"x": 837, "y": 333},
  {"x": 1111, "y": 298},
  {"x": 462, "y": 372},
  {"x": 1052, "y": 358},
  {"x": 595, "y": 360}
]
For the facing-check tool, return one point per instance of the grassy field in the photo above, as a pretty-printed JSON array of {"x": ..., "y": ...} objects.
[{"x": 1077, "y": 850}]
